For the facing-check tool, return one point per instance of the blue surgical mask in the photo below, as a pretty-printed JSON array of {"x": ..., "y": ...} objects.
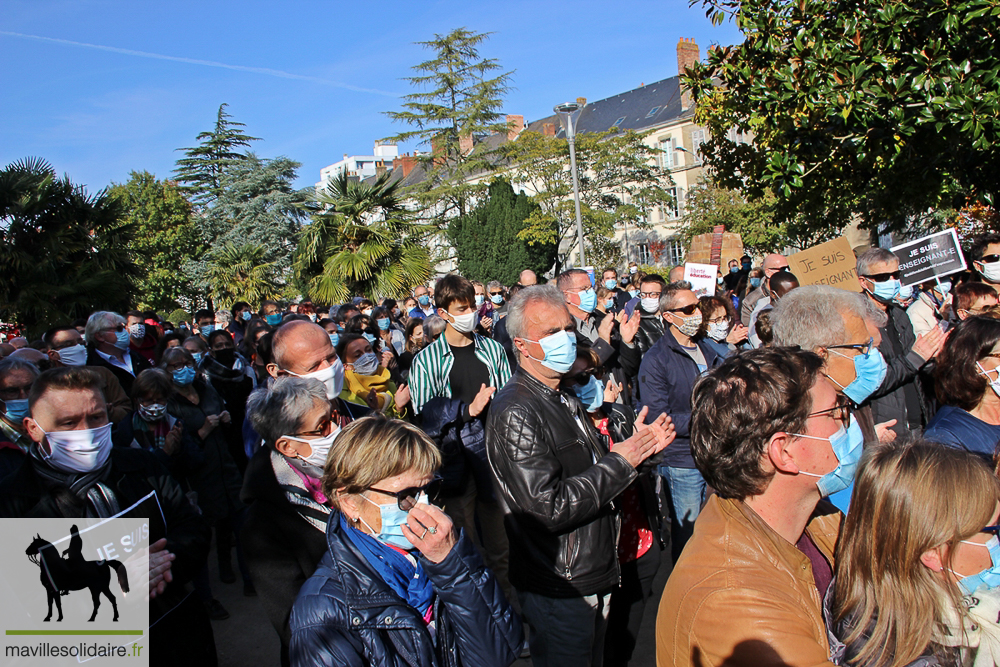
[
  {"x": 383, "y": 323},
  {"x": 755, "y": 282},
  {"x": 369, "y": 337},
  {"x": 121, "y": 339},
  {"x": 610, "y": 283},
  {"x": 17, "y": 409},
  {"x": 905, "y": 291},
  {"x": 393, "y": 519},
  {"x": 274, "y": 319},
  {"x": 734, "y": 269},
  {"x": 497, "y": 299},
  {"x": 480, "y": 300},
  {"x": 184, "y": 376},
  {"x": 988, "y": 578},
  {"x": 206, "y": 329},
  {"x": 334, "y": 338},
  {"x": 869, "y": 372},
  {"x": 198, "y": 356},
  {"x": 609, "y": 304},
  {"x": 887, "y": 290},
  {"x": 424, "y": 300},
  {"x": 847, "y": 444},
  {"x": 245, "y": 315},
  {"x": 588, "y": 300},
  {"x": 590, "y": 394},
  {"x": 559, "y": 349},
  {"x": 633, "y": 293},
  {"x": 944, "y": 287}
]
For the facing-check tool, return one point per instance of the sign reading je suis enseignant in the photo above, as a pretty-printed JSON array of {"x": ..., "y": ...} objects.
[{"x": 929, "y": 257}]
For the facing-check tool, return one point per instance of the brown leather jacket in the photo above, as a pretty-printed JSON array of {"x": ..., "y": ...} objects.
[{"x": 740, "y": 594}]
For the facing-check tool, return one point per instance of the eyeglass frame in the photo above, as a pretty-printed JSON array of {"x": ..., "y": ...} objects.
[
  {"x": 862, "y": 348},
  {"x": 411, "y": 493}
]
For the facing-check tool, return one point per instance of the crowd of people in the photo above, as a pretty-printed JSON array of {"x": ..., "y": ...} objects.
[{"x": 478, "y": 473}]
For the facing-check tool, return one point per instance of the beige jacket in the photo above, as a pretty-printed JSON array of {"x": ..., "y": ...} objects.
[{"x": 740, "y": 594}]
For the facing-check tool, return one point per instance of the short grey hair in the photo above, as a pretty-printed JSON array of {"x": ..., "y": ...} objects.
[
  {"x": 281, "y": 409},
  {"x": 873, "y": 256},
  {"x": 549, "y": 294},
  {"x": 433, "y": 326},
  {"x": 223, "y": 318},
  {"x": 669, "y": 296},
  {"x": 812, "y": 316},
  {"x": 494, "y": 284},
  {"x": 102, "y": 319},
  {"x": 11, "y": 364}
]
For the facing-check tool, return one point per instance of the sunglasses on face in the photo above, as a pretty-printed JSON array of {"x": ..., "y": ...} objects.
[
  {"x": 685, "y": 310},
  {"x": 993, "y": 530},
  {"x": 406, "y": 499},
  {"x": 581, "y": 378},
  {"x": 496, "y": 293},
  {"x": 325, "y": 428},
  {"x": 882, "y": 277},
  {"x": 990, "y": 259}
]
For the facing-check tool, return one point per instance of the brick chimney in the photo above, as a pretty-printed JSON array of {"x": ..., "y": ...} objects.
[
  {"x": 379, "y": 168},
  {"x": 582, "y": 101},
  {"x": 549, "y": 129},
  {"x": 688, "y": 54},
  {"x": 404, "y": 161},
  {"x": 465, "y": 144},
  {"x": 515, "y": 123}
]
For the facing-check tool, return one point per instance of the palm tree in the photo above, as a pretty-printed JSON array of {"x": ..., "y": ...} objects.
[
  {"x": 360, "y": 243},
  {"x": 63, "y": 252},
  {"x": 239, "y": 273}
]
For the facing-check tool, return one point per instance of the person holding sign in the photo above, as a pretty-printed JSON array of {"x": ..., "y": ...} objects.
[
  {"x": 927, "y": 310},
  {"x": 900, "y": 395}
]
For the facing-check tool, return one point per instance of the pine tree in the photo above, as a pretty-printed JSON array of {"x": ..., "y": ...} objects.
[
  {"x": 460, "y": 99},
  {"x": 486, "y": 239},
  {"x": 202, "y": 171}
]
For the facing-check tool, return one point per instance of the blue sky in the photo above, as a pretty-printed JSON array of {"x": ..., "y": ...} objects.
[{"x": 101, "y": 88}]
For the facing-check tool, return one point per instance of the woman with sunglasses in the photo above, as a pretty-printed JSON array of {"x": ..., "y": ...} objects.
[
  {"x": 967, "y": 383},
  {"x": 918, "y": 562},
  {"x": 397, "y": 583}
]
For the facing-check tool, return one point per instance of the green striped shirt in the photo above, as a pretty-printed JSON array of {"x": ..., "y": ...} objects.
[{"x": 432, "y": 367}]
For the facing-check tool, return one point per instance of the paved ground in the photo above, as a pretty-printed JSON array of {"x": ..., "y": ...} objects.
[{"x": 247, "y": 638}]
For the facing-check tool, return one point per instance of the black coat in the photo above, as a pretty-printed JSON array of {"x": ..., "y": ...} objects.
[
  {"x": 560, "y": 518},
  {"x": 346, "y": 615},
  {"x": 125, "y": 379},
  {"x": 901, "y": 396},
  {"x": 282, "y": 549},
  {"x": 132, "y": 476}
]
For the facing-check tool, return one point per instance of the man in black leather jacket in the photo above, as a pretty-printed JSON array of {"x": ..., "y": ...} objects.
[
  {"x": 651, "y": 325},
  {"x": 557, "y": 480}
]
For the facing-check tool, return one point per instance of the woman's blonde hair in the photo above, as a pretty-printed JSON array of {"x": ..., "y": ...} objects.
[
  {"x": 374, "y": 448},
  {"x": 909, "y": 498}
]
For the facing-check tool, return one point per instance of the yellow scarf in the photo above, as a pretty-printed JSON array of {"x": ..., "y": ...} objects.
[{"x": 357, "y": 387}]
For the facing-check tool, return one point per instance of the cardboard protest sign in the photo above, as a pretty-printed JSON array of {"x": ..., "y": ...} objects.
[
  {"x": 831, "y": 263},
  {"x": 702, "y": 278},
  {"x": 929, "y": 257}
]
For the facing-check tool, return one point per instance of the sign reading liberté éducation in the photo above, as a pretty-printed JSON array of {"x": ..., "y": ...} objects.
[
  {"x": 703, "y": 278},
  {"x": 831, "y": 263},
  {"x": 929, "y": 257}
]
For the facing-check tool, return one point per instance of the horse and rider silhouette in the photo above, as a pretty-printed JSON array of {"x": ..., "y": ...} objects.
[{"x": 70, "y": 572}]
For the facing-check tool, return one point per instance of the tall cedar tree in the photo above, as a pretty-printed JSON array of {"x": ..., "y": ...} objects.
[
  {"x": 486, "y": 239},
  {"x": 201, "y": 173},
  {"x": 460, "y": 100}
]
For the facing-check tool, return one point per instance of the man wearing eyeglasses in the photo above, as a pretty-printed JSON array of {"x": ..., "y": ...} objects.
[
  {"x": 108, "y": 346},
  {"x": 900, "y": 396},
  {"x": 770, "y": 435},
  {"x": 772, "y": 264},
  {"x": 667, "y": 376},
  {"x": 651, "y": 326},
  {"x": 986, "y": 259}
]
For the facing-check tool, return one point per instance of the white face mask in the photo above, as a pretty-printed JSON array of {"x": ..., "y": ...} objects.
[
  {"x": 138, "y": 331},
  {"x": 332, "y": 378},
  {"x": 718, "y": 331},
  {"x": 650, "y": 305},
  {"x": 464, "y": 323},
  {"x": 79, "y": 451},
  {"x": 320, "y": 447},
  {"x": 366, "y": 364},
  {"x": 73, "y": 356},
  {"x": 991, "y": 271}
]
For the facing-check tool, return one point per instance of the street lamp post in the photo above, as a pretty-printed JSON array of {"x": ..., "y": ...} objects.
[{"x": 568, "y": 115}]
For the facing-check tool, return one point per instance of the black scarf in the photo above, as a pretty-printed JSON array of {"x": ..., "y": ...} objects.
[{"x": 101, "y": 501}]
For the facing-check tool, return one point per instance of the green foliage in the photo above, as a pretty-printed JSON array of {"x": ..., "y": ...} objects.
[
  {"x": 177, "y": 316},
  {"x": 63, "y": 253},
  {"x": 486, "y": 238},
  {"x": 619, "y": 184},
  {"x": 241, "y": 273},
  {"x": 881, "y": 110},
  {"x": 460, "y": 96},
  {"x": 165, "y": 238},
  {"x": 202, "y": 171},
  {"x": 360, "y": 242}
]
